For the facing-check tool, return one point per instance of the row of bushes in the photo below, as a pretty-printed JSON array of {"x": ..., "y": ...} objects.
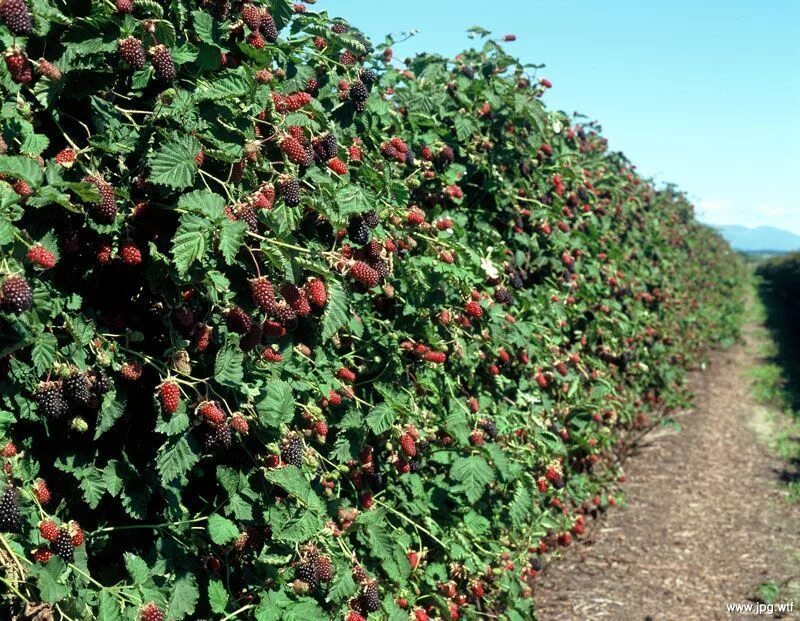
[{"x": 292, "y": 330}]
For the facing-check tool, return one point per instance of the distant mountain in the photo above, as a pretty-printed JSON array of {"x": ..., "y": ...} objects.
[{"x": 759, "y": 239}]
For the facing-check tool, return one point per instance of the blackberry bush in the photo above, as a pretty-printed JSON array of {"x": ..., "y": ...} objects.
[{"x": 223, "y": 349}]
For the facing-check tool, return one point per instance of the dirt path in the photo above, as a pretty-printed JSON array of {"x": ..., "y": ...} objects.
[{"x": 706, "y": 520}]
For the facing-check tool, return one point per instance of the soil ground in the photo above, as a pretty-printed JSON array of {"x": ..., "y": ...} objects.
[{"x": 706, "y": 520}]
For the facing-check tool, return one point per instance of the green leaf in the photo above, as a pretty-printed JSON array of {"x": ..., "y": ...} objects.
[
  {"x": 281, "y": 11},
  {"x": 21, "y": 167},
  {"x": 228, "y": 368},
  {"x": 203, "y": 202},
  {"x": 217, "y": 596},
  {"x": 298, "y": 529},
  {"x": 380, "y": 418},
  {"x": 292, "y": 480},
  {"x": 184, "y": 597},
  {"x": 221, "y": 529},
  {"x": 351, "y": 199},
  {"x": 520, "y": 506},
  {"x": 230, "y": 86},
  {"x": 189, "y": 243},
  {"x": 137, "y": 568},
  {"x": 111, "y": 411},
  {"x": 109, "y": 608},
  {"x": 231, "y": 236},
  {"x": 207, "y": 28},
  {"x": 304, "y": 610},
  {"x": 43, "y": 353},
  {"x": 337, "y": 311},
  {"x": 277, "y": 406},
  {"x": 175, "y": 459},
  {"x": 474, "y": 474},
  {"x": 174, "y": 164},
  {"x": 49, "y": 582},
  {"x": 93, "y": 487}
]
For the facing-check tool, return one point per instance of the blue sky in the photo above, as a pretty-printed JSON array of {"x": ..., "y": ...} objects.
[{"x": 701, "y": 93}]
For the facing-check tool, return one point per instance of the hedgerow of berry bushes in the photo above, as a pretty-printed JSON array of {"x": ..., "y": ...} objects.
[{"x": 289, "y": 332}]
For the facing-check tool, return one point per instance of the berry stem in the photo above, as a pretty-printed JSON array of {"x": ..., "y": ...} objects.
[
  {"x": 236, "y": 612},
  {"x": 422, "y": 529},
  {"x": 278, "y": 243},
  {"x": 223, "y": 184}
]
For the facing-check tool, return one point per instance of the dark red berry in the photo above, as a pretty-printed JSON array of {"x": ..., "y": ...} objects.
[
  {"x": 170, "y": 396},
  {"x": 16, "y": 16},
  {"x": 132, "y": 52},
  {"x": 161, "y": 58},
  {"x": 17, "y": 295}
]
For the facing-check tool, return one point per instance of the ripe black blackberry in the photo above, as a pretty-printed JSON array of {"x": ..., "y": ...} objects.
[
  {"x": 307, "y": 572},
  {"x": 370, "y": 596},
  {"x": 326, "y": 147},
  {"x": 339, "y": 28},
  {"x": 502, "y": 296},
  {"x": 101, "y": 383},
  {"x": 286, "y": 315},
  {"x": 489, "y": 427},
  {"x": 536, "y": 563},
  {"x": 410, "y": 158},
  {"x": 17, "y": 295},
  {"x": 292, "y": 450},
  {"x": 516, "y": 281},
  {"x": 10, "y": 521},
  {"x": 290, "y": 191},
  {"x": 76, "y": 389},
  {"x": 379, "y": 266},
  {"x": 324, "y": 569},
  {"x": 16, "y": 16},
  {"x": 247, "y": 214},
  {"x": 63, "y": 546},
  {"x": 132, "y": 52},
  {"x": 368, "y": 77},
  {"x": 217, "y": 438},
  {"x": 50, "y": 399},
  {"x": 468, "y": 72},
  {"x": 358, "y": 231},
  {"x": 161, "y": 58},
  {"x": 371, "y": 218},
  {"x": 268, "y": 28},
  {"x": 359, "y": 95},
  {"x": 377, "y": 481}
]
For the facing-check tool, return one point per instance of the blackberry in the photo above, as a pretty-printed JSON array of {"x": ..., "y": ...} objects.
[
  {"x": 410, "y": 157},
  {"x": 132, "y": 52},
  {"x": 379, "y": 266},
  {"x": 63, "y": 546},
  {"x": 161, "y": 58},
  {"x": 324, "y": 570},
  {"x": 339, "y": 28},
  {"x": 536, "y": 563},
  {"x": 217, "y": 438},
  {"x": 16, "y": 16},
  {"x": 238, "y": 320},
  {"x": 247, "y": 214},
  {"x": 414, "y": 465},
  {"x": 292, "y": 450},
  {"x": 102, "y": 383},
  {"x": 358, "y": 95},
  {"x": 17, "y": 296},
  {"x": 105, "y": 211},
  {"x": 371, "y": 597},
  {"x": 252, "y": 338},
  {"x": 285, "y": 315},
  {"x": 268, "y": 28},
  {"x": 468, "y": 72},
  {"x": 502, "y": 296},
  {"x": 358, "y": 231},
  {"x": 489, "y": 427},
  {"x": 325, "y": 147},
  {"x": 76, "y": 389},
  {"x": 307, "y": 572},
  {"x": 290, "y": 191},
  {"x": 377, "y": 481},
  {"x": 252, "y": 16},
  {"x": 371, "y": 218},
  {"x": 50, "y": 399},
  {"x": 10, "y": 521},
  {"x": 368, "y": 77}
]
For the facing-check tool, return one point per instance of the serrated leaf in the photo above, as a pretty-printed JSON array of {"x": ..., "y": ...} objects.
[
  {"x": 474, "y": 474},
  {"x": 174, "y": 164},
  {"x": 520, "y": 506},
  {"x": 228, "y": 369},
  {"x": 231, "y": 235},
  {"x": 175, "y": 459},
  {"x": 380, "y": 418},
  {"x": 184, "y": 597},
  {"x": 281, "y": 11},
  {"x": 111, "y": 411},
  {"x": 137, "y": 568},
  {"x": 43, "y": 353},
  {"x": 21, "y": 167},
  {"x": 217, "y": 596},
  {"x": 49, "y": 582},
  {"x": 189, "y": 243},
  {"x": 277, "y": 406},
  {"x": 228, "y": 86},
  {"x": 203, "y": 202},
  {"x": 304, "y": 610},
  {"x": 221, "y": 529},
  {"x": 207, "y": 28},
  {"x": 109, "y": 608},
  {"x": 337, "y": 311}
]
